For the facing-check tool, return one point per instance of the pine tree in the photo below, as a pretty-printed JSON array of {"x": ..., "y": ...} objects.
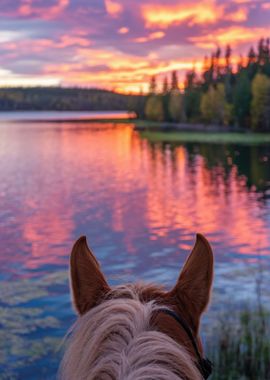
[
  {"x": 152, "y": 85},
  {"x": 174, "y": 83},
  {"x": 166, "y": 98},
  {"x": 165, "y": 87},
  {"x": 228, "y": 53},
  {"x": 242, "y": 99},
  {"x": 252, "y": 66},
  {"x": 260, "y": 57},
  {"x": 251, "y": 56},
  {"x": 190, "y": 79},
  {"x": 154, "y": 108},
  {"x": 240, "y": 64},
  {"x": 206, "y": 73}
]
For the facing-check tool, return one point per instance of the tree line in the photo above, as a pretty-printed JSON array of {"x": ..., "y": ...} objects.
[
  {"x": 222, "y": 95},
  {"x": 66, "y": 99}
]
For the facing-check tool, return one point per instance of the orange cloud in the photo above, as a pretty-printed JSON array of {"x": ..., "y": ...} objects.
[
  {"x": 193, "y": 12},
  {"x": 122, "y": 72},
  {"x": 234, "y": 35},
  {"x": 240, "y": 15},
  {"x": 113, "y": 7},
  {"x": 123, "y": 30},
  {"x": 152, "y": 36}
]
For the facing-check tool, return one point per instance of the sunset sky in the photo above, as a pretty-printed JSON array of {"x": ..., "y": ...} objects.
[{"x": 119, "y": 44}]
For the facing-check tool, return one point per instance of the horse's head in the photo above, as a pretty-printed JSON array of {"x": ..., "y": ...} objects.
[{"x": 186, "y": 301}]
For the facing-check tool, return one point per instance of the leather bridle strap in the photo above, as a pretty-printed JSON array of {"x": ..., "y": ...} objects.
[
  {"x": 183, "y": 323},
  {"x": 204, "y": 365}
]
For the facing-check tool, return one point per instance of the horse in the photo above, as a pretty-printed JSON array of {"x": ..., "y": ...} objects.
[{"x": 137, "y": 331}]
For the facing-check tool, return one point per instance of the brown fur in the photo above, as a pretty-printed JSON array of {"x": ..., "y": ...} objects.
[{"x": 91, "y": 293}]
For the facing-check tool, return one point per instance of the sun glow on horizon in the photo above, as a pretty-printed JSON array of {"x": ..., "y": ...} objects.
[{"x": 112, "y": 45}]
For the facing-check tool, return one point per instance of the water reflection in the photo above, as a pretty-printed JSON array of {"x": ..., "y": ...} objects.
[
  {"x": 103, "y": 180},
  {"x": 139, "y": 203},
  {"x": 209, "y": 189}
]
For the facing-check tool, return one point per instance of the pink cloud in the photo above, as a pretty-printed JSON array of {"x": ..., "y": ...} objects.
[
  {"x": 27, "y": 9},
  {"x": 266, "y": 6},
  {"x": 152, "y": 36},
  {"x": 42, "y": 44},
  {"x": 113, "y": 7}
]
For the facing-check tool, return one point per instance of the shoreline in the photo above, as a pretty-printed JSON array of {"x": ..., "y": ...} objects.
[
  {"x": 207, "y": 138},
  {"x": 160, "y": 132},
  {"x": 157, "y": 126},
  {"x": 154, "y": 131}
]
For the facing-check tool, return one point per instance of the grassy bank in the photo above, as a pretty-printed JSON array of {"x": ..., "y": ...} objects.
[
  {"x": 240, "y": 347},
  {"x": 208, "y": 137},
  {"x": 166, "y": 126}
]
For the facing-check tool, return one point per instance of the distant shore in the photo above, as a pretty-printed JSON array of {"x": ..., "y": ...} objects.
[{"x": 66, "y": 116}]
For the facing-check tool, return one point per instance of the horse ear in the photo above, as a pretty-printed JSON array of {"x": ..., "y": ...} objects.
[
  {"x": 87, "y": 281},
  {"x": 193, "y": 288}
]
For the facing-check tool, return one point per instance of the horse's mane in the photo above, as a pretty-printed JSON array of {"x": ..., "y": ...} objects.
[{"x": 115, "y": 341}]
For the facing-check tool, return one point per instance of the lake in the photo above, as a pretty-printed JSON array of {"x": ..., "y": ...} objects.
[{"x": 140, "y": 205}]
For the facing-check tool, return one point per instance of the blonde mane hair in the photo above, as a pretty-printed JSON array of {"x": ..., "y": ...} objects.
[{"x": 115, "y": 340}]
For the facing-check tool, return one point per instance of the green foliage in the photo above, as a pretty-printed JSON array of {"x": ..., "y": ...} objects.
[
  {"x": 223, "y": 95},
  {"x": 260, "y": 102},
  {"x": 176, "y": 107},
  {"x": 242, "y": 100},
  {"x": 207, "y": 106},
  {"x": 214, "y": 107},
  {"x": 192, "y": 101},
  {"x": 154, "y": 108},
  {"x": 137, "y": 104}
]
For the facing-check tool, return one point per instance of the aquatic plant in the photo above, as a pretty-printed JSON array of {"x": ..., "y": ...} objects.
[{"x": 241, "y": 346}]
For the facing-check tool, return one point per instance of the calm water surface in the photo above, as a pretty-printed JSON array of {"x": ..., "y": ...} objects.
[{"x": 140, "y": 205}]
